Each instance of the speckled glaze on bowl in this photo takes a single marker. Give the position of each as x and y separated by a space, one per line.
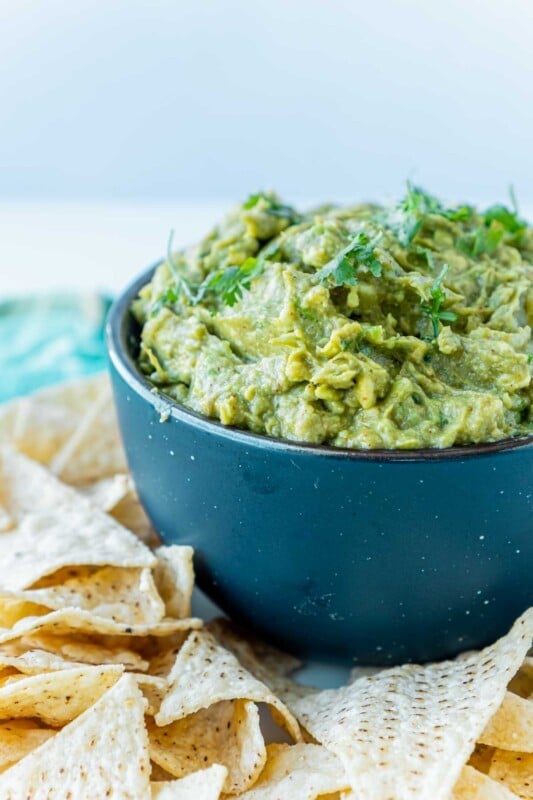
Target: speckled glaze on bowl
379 557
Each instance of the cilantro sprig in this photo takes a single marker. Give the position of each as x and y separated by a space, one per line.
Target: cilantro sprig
273 207
433 309
498 223
228 283
407 218
360 252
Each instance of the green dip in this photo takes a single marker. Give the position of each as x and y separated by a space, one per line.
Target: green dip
361 327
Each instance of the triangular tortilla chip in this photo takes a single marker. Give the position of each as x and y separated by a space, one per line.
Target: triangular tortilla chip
515 771
205 673
511 727
127 595
40 424
203 785
265 662
35 662
174 578
56 697
68 621
17 741
153 688
94 450
226 733
522 682
102 753
83 649
407 732
56 527
473 785
117 496
303 771
107 493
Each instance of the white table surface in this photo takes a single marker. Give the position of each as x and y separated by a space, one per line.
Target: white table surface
51 246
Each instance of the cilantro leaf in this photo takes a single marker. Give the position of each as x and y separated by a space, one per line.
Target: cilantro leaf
484 239
231 282
407 218
438 297
274 207
168 298
342 269
509 220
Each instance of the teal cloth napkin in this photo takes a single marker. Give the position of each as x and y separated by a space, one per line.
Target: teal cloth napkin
49 338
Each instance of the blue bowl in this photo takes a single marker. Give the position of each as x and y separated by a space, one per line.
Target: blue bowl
377 557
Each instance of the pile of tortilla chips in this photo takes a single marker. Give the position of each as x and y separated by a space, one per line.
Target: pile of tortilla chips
110 688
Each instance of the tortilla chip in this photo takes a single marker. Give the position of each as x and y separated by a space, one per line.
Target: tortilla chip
130 513
522 683
481 758
35 662
127 595
107 493
511 727
264 661
94 449
56 697
40 424
68 621
407 731
226 733
102 753
473 785
205 673
303 771
153 689
204 785
56 527
81 648
7 523
18 741
174 578
252 652
515 771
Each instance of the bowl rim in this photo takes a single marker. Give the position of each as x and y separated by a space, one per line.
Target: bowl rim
122 361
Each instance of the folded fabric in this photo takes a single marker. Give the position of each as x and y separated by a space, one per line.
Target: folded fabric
49 338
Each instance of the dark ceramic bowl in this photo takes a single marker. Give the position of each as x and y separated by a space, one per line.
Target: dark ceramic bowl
379 557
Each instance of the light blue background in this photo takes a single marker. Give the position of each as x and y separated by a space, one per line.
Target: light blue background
143 100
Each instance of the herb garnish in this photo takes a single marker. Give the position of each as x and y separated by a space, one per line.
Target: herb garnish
342 269
438 297
498 223
230 282
407 218
274 207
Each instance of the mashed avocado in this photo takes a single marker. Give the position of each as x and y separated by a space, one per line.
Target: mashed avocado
362 327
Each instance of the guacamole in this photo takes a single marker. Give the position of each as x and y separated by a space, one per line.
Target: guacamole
363 327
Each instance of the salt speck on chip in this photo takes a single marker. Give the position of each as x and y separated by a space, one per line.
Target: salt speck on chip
405 733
